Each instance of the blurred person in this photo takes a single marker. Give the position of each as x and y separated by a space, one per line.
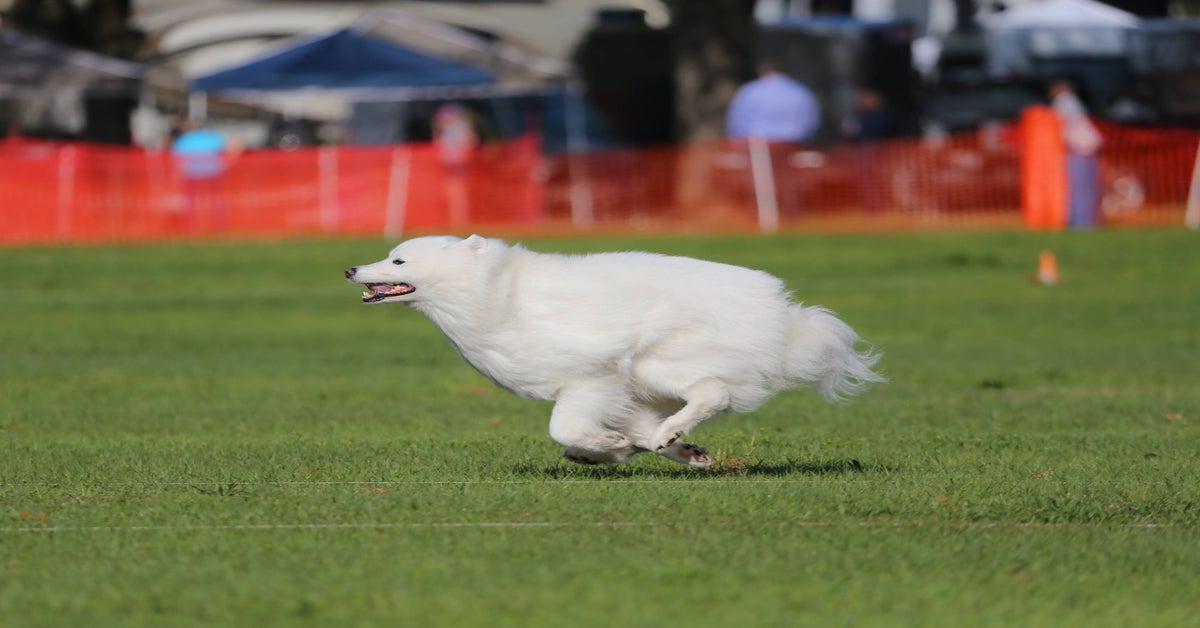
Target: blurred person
1134 103
782 112
870 122
455 137
1081 140
203 155
774 107
291 133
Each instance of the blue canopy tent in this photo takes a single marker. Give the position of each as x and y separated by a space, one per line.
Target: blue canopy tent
368 73
344 59
378 75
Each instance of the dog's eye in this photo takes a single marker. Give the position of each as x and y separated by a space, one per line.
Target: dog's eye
397 261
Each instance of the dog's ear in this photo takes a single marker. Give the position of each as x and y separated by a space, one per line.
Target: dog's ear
477 243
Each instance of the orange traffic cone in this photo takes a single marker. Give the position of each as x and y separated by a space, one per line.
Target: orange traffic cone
1047 272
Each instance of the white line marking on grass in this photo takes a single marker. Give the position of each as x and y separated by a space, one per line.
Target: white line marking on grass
684 481
985 525
327 526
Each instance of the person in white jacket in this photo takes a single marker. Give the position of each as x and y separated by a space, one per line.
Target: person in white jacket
1082 140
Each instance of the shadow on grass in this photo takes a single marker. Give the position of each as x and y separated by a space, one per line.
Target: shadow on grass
729 467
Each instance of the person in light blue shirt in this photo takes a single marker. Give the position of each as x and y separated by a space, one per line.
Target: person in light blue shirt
203 155
782 112
773 107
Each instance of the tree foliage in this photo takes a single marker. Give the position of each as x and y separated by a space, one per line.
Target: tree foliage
99 25
714 52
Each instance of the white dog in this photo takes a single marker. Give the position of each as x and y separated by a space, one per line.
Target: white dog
636 349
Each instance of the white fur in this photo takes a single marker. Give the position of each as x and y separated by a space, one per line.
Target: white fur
636 349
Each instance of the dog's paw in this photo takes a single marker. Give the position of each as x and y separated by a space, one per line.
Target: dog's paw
697 456
687 453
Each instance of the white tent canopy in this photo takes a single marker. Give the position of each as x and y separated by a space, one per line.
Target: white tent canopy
1062 14
1056 29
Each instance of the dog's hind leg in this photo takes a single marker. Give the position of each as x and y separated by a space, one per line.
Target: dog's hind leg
580 422
703 400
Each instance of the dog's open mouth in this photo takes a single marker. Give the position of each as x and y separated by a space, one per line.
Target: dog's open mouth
377 292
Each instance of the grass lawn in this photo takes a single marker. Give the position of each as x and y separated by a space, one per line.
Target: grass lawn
220 434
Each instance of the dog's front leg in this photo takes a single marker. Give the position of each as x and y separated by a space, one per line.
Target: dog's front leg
579 423
702 401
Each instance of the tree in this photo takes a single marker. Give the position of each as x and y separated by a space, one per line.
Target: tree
99 25
714 53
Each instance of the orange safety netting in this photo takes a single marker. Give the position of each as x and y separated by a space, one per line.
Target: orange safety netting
72 192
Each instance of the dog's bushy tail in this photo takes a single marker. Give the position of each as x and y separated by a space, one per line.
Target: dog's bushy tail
824 351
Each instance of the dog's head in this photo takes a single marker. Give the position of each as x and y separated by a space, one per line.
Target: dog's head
420 268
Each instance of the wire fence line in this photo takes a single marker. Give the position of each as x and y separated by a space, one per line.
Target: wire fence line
382 525
680 481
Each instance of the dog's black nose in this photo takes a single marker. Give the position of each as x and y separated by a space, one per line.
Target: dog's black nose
350 272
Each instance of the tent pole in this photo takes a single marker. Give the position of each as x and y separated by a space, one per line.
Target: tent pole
1191 216
67 157
397 194
582 214
327 175
197 106
762 171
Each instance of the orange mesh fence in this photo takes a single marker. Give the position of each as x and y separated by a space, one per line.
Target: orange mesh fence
78 192
1146 174
965 180
66 192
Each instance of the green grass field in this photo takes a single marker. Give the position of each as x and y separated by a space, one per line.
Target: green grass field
220 434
